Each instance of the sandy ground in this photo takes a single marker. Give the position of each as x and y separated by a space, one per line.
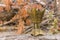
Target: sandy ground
12 36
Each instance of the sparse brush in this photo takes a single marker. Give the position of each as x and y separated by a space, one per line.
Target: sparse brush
54 27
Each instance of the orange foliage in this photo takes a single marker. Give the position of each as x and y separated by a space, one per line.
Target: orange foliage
19 2
1 8
20 27
36 6
22 13
7 3
28 22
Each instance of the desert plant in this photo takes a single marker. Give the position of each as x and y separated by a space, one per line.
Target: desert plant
36 16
